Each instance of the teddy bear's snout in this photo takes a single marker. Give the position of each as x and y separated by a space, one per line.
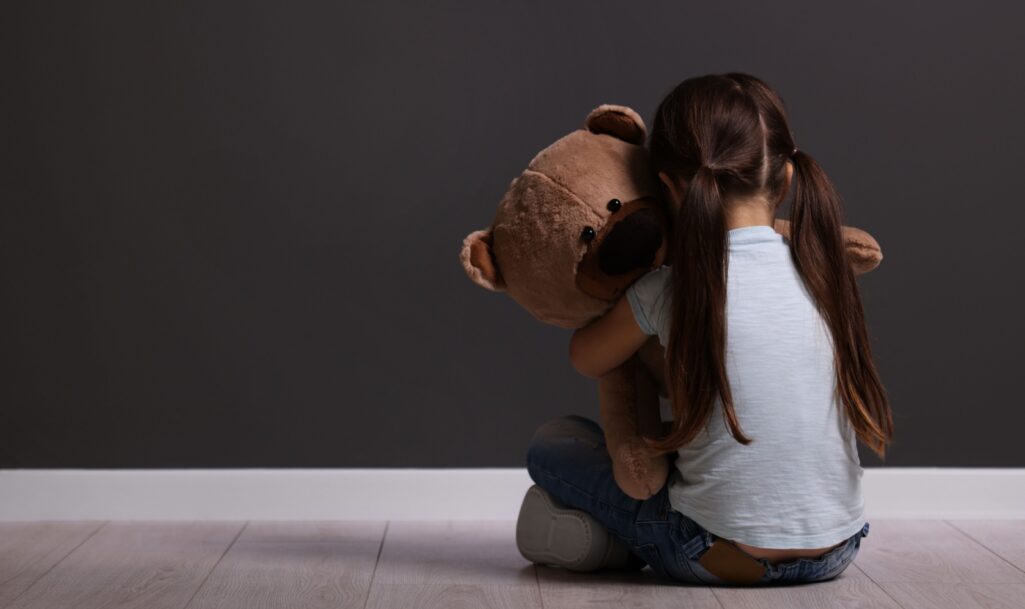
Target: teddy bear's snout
632 243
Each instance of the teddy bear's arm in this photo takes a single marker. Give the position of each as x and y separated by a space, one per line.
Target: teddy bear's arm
629 407
864 250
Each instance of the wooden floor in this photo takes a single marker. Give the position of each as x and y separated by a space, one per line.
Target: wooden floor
931 564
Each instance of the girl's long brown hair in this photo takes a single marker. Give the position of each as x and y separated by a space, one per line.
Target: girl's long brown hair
727 136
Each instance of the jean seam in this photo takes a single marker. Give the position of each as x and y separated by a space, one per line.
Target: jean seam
661 513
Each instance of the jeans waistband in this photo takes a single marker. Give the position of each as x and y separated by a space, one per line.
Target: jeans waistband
699 542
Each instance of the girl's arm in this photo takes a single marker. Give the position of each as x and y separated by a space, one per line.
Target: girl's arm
606 342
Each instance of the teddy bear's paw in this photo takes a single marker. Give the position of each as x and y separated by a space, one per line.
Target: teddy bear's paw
638 473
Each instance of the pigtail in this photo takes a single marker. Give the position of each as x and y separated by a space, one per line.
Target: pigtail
698 336
817 246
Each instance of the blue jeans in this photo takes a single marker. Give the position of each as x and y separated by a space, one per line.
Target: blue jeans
567 457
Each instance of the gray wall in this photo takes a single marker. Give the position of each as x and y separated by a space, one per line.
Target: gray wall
229 234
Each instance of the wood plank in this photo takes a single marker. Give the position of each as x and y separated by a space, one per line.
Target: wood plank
616 589
922 551
934 595
963 564
852 589
447 565
1006 538
149 565
296 565
29 549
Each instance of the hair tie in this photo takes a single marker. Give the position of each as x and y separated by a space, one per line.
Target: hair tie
793 152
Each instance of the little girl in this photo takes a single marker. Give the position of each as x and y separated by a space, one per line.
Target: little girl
769 369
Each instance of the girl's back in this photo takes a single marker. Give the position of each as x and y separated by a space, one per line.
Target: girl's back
797 485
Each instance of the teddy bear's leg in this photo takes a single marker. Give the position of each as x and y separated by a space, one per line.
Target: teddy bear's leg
629 408
646 403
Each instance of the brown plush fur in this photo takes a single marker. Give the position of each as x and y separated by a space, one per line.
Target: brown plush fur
534 251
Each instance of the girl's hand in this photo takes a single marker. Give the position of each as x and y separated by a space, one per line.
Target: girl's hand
606 342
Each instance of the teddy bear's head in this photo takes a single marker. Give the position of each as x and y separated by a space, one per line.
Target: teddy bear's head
579 225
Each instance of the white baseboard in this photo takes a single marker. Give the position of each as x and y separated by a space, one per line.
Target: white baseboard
421 494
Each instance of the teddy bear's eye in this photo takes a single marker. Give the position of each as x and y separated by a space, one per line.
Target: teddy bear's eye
587 234
614 205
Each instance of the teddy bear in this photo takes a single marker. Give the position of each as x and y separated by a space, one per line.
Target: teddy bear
582 222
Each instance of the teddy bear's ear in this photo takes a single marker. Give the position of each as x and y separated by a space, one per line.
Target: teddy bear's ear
617 121
479 261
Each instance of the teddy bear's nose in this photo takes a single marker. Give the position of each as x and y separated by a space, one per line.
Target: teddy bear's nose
632 243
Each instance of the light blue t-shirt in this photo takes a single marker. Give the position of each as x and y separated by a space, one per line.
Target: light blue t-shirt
798 484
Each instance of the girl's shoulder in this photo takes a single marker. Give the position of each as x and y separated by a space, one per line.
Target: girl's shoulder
648 297
650 290
655 280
